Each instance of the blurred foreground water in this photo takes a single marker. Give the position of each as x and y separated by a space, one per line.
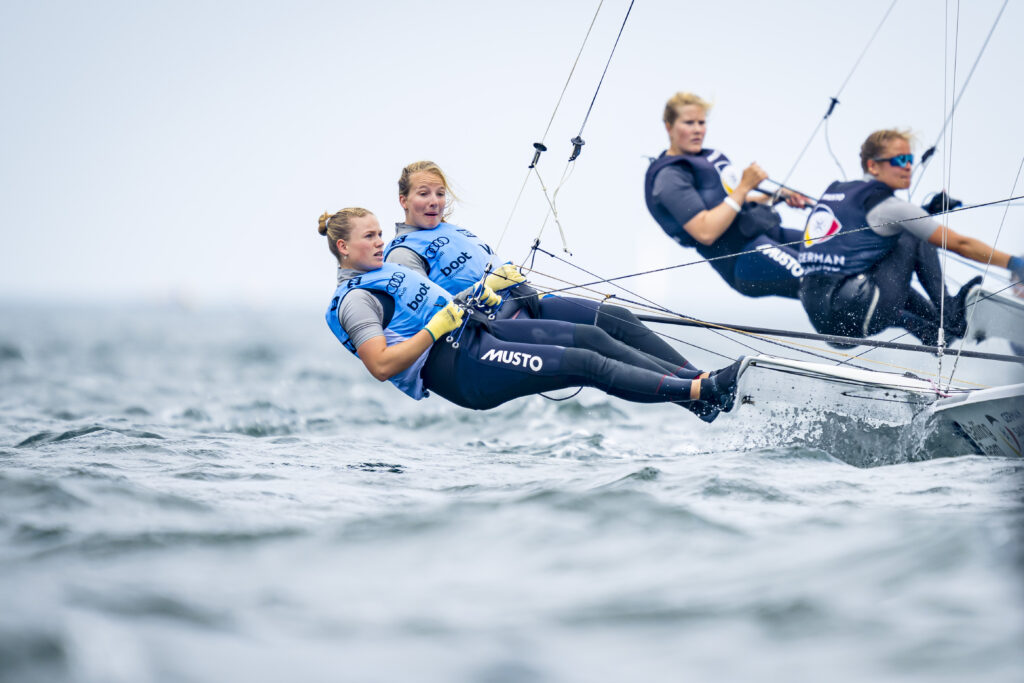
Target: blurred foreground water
219 496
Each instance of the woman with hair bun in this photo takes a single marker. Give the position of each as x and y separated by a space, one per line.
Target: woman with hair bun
857 280
409 330
702 201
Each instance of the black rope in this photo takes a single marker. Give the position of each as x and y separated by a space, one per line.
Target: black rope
539 147
647 302
577 141
834 100
709 326
931 150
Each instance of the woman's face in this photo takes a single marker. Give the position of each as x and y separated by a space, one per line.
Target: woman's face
424 205
364 248
686 134
896 177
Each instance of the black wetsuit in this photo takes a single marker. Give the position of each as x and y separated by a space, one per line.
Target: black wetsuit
505 359
489 362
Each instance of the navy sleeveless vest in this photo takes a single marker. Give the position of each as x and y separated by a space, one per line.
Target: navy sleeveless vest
842 212
714 178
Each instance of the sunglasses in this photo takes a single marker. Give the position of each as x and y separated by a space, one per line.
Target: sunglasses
901 161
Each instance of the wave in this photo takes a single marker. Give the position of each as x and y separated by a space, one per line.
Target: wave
48 437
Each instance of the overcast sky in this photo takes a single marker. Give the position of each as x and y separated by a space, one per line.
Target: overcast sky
182 151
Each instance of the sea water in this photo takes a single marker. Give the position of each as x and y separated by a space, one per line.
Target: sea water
227 495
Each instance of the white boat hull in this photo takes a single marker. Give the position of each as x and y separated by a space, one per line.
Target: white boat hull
881 417
991 420
994 315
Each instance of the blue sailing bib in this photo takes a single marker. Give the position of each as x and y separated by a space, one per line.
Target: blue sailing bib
416 301
455 257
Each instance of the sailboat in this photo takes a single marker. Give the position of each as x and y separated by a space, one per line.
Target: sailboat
945 417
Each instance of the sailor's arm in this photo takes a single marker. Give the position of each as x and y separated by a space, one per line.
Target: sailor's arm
404 256
385 361
708 225
968 247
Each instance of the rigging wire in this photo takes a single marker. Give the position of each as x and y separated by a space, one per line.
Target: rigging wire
752 251
828 146
658 308
649 302
765 335
1006 210
539 147
571 72
834 100
579 135
903 334
947 160
577 143
926 157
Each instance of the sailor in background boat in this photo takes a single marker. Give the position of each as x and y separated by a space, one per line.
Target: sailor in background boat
700 199
455 258
399 324
856 280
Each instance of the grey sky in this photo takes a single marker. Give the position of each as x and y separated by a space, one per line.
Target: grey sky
183 151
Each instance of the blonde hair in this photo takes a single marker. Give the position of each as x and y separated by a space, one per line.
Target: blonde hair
680 100
876 143
405 182
338 226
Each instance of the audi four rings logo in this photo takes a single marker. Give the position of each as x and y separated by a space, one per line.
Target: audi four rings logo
395 282
435 246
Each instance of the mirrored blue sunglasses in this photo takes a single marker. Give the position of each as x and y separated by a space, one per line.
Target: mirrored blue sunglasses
901 161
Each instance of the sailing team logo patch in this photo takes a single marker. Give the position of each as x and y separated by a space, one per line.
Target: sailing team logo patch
822 225
729 174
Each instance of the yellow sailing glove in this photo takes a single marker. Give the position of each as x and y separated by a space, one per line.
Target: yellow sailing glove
485 296
444 321
504 277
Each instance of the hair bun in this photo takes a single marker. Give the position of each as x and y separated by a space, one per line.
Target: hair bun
322 225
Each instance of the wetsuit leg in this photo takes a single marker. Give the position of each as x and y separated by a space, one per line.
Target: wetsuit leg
485 372
928 269
617 321
898 304
561 333
929 274
925 329
772 270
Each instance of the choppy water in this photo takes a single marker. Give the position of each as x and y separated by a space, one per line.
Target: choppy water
216 497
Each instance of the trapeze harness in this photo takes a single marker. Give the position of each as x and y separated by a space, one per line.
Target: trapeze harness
490 362
772 269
